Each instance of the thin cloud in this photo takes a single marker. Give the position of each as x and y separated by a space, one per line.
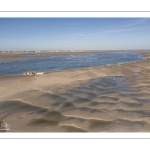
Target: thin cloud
7 40
118 30
74 28
128 27
137 22
131 34
77 23
87 35
30 25
122 30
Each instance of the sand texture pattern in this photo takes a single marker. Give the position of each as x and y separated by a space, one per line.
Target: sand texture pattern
100 99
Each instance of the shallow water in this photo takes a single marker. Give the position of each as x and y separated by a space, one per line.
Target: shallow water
68 62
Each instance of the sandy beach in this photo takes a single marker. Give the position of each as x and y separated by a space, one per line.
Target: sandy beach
100 99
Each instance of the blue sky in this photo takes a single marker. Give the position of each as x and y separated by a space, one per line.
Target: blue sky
74 33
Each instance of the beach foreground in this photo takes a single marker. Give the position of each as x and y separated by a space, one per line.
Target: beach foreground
100 99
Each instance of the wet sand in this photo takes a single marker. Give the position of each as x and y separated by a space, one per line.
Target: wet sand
100 99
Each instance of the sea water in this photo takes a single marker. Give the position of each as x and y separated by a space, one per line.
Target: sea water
68 62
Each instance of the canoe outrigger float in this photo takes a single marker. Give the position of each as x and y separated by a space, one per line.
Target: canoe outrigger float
34 73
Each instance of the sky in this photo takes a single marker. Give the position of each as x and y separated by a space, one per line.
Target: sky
27 34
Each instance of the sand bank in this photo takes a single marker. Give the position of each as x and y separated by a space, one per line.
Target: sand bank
101 99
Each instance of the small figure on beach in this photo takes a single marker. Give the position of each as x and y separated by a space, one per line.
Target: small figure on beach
29 73
33 73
